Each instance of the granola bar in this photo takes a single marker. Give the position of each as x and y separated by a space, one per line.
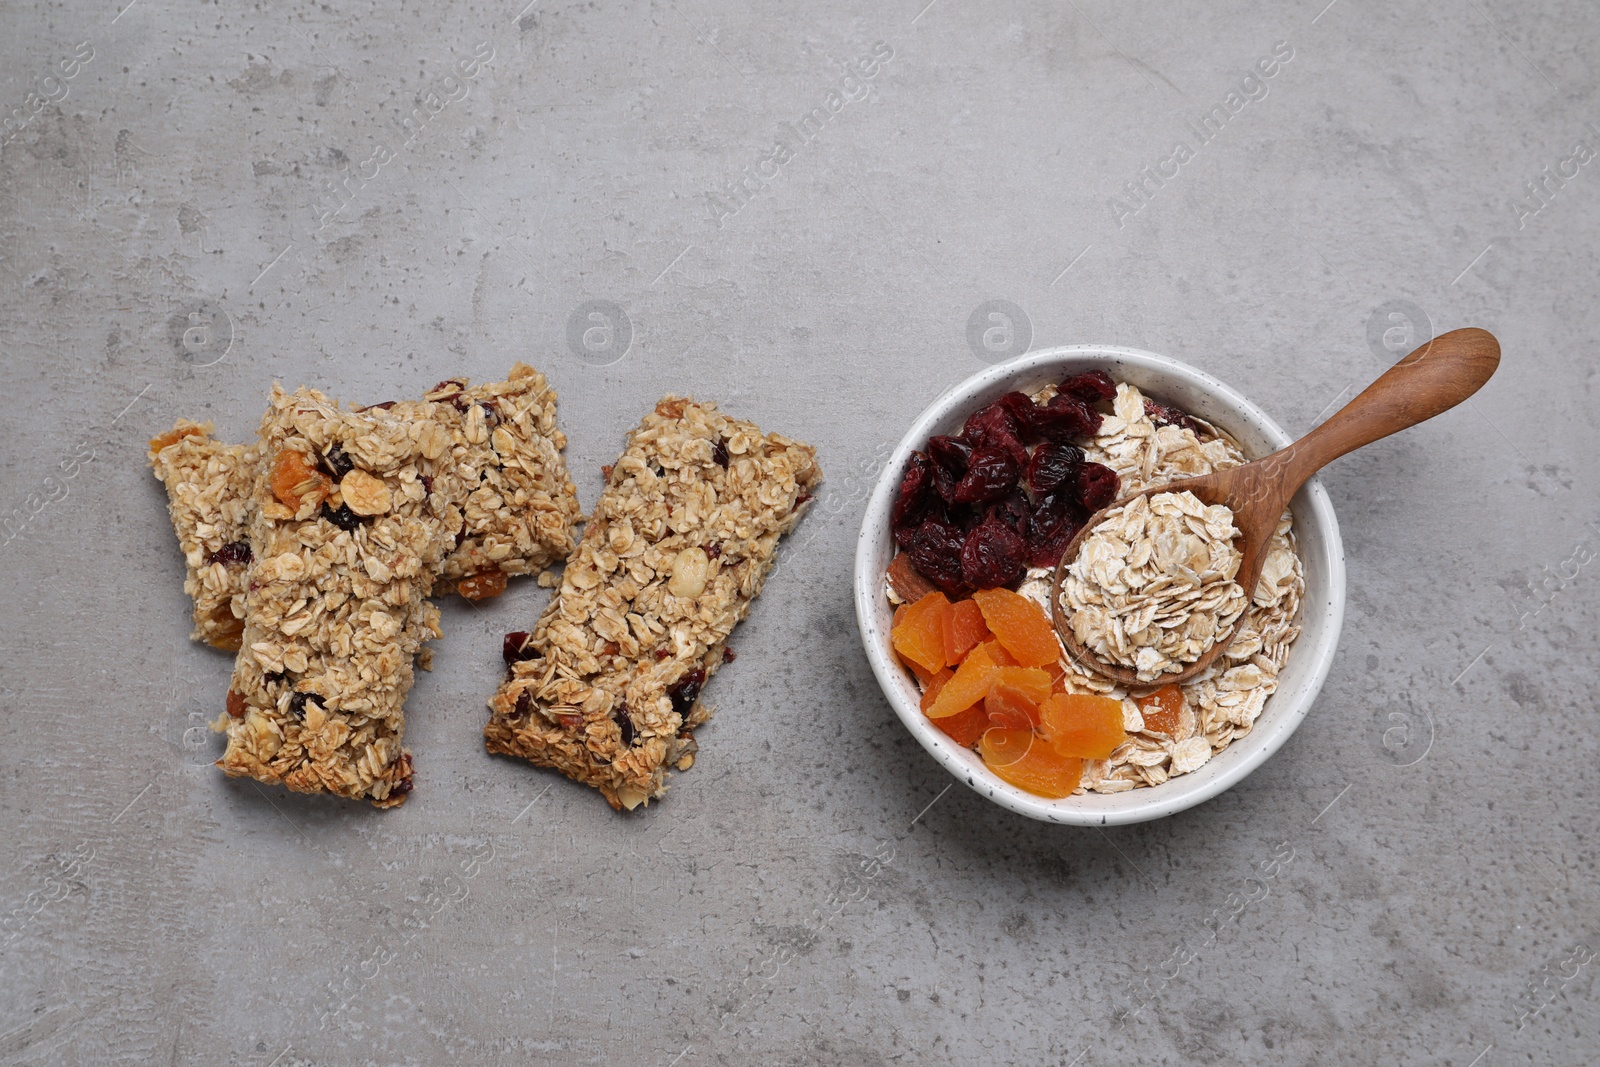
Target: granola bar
208 486
605 689
354 512
520 508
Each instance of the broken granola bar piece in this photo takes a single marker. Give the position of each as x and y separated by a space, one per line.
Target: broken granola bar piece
353 514
605 689
520 509
208 486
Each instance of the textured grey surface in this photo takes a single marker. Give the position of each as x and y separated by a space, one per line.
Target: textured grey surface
795 899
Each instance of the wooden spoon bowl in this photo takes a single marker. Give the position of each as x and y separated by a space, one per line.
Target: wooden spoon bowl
1433 379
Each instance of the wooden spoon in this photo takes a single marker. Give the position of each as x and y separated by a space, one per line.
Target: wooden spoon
1434 378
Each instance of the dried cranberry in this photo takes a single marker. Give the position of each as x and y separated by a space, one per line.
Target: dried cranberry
336 463
991 475
1096 485
461 534
1162 415
297 703
625 724
491 414
1015 511
276 677
992 555
728 654
343 518
523 706
944 484
951 453
385 406
1065 417
916 495
231 553
1090 386
935 550
686 691
1021 407
460 402
1055 521
1051 464
996 426
402 787
662 653
512 648
719 453
427 482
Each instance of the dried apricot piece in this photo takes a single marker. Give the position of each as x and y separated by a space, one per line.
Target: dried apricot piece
967 629
920 635
997 653
1020 625
174 435
1008 707
483 585
932 685
969 685
1161 709
965 728
1032 682
1023 759
924 675
1088 727
293 479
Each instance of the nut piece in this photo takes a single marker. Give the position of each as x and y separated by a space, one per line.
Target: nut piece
364 494
690 570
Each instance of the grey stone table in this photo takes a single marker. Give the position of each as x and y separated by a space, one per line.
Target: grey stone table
797 213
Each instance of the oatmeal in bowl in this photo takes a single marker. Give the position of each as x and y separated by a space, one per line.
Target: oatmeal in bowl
954 578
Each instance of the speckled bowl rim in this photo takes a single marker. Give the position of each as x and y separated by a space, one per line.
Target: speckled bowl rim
1321 613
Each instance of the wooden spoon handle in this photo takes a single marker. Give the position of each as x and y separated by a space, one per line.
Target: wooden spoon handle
1433 379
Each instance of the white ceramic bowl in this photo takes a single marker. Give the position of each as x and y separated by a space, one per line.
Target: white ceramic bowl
1194 391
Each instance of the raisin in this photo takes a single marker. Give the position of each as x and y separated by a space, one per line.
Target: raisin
719 453
231 553
991 475
687 691
427 482
624 724
336 463
1055 521
512 647
1096 485
991 556
935 550
343 518
461 534
1065 417
491 414
1161 415
1090 386
712 551
523 706
297 703
276 677
912 501
1051 464
728 654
